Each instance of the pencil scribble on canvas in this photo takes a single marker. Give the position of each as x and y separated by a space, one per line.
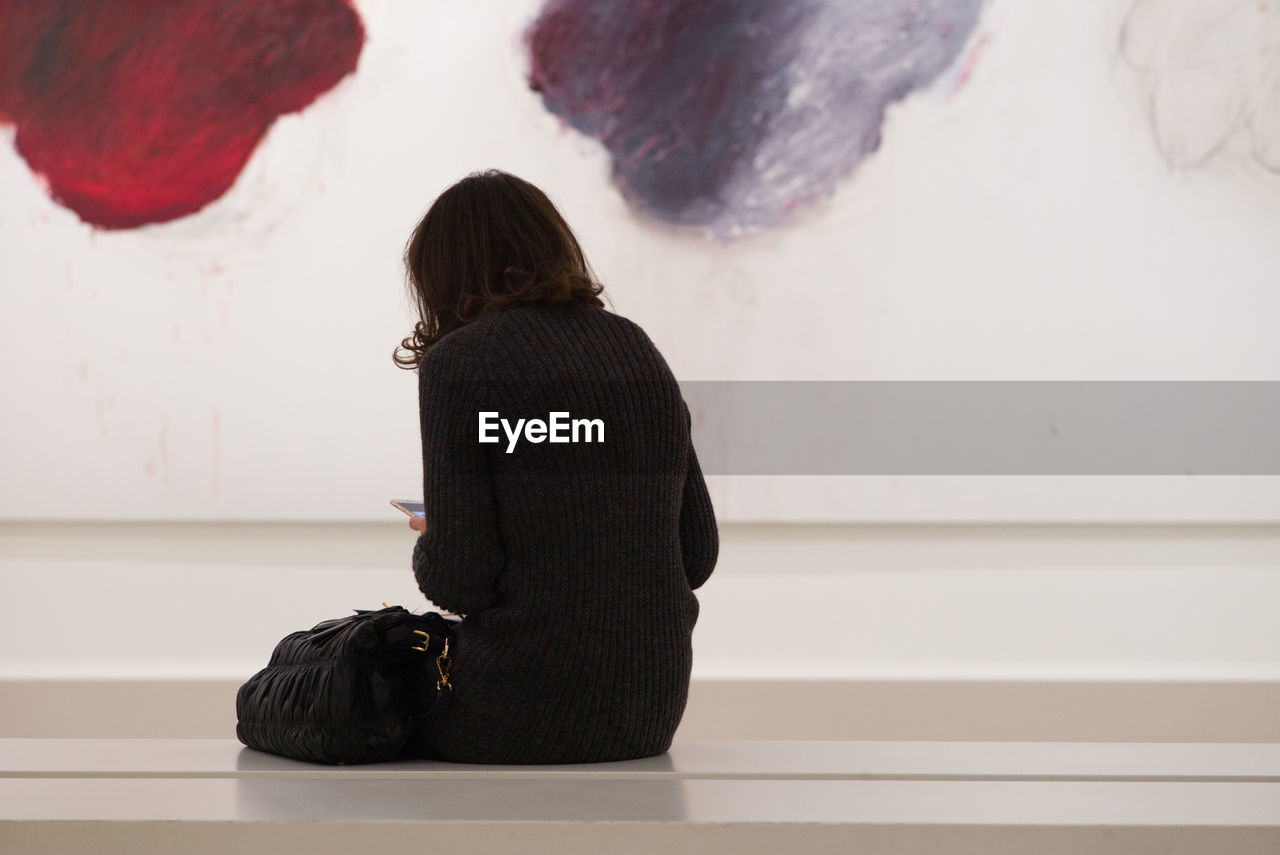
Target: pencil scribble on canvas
727 115
1210 71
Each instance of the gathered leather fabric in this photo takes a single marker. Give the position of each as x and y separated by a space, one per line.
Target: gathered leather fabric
355 689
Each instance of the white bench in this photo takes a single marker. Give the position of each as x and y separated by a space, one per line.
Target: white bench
140 796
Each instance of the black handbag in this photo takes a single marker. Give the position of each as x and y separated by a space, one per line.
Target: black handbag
356 689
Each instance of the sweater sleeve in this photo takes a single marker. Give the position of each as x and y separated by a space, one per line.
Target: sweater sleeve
457 559
699 538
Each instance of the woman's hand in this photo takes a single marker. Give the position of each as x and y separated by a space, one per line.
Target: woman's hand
417 523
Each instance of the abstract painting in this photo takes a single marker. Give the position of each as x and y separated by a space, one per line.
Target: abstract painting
132 113
727 115
204 207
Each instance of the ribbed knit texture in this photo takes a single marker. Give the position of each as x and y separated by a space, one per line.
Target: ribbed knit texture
574 563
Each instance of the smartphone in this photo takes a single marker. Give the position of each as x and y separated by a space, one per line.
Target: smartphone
413 509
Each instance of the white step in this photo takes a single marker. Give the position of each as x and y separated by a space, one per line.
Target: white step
708 758
211 795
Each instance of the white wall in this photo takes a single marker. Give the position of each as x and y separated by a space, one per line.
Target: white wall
840 601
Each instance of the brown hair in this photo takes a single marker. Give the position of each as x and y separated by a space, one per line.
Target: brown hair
490 241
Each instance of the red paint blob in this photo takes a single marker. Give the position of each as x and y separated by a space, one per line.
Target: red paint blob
145 111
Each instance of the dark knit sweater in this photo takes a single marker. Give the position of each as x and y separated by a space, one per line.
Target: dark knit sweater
574 563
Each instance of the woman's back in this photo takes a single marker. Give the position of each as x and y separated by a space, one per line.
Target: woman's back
568 520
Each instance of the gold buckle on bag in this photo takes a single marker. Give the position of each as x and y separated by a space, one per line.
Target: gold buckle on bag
443 663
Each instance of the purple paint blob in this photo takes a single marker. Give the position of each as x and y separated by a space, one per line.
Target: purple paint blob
726 114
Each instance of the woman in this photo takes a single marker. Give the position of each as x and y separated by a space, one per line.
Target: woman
566 516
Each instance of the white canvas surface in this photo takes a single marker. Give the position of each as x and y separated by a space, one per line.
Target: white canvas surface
236 364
